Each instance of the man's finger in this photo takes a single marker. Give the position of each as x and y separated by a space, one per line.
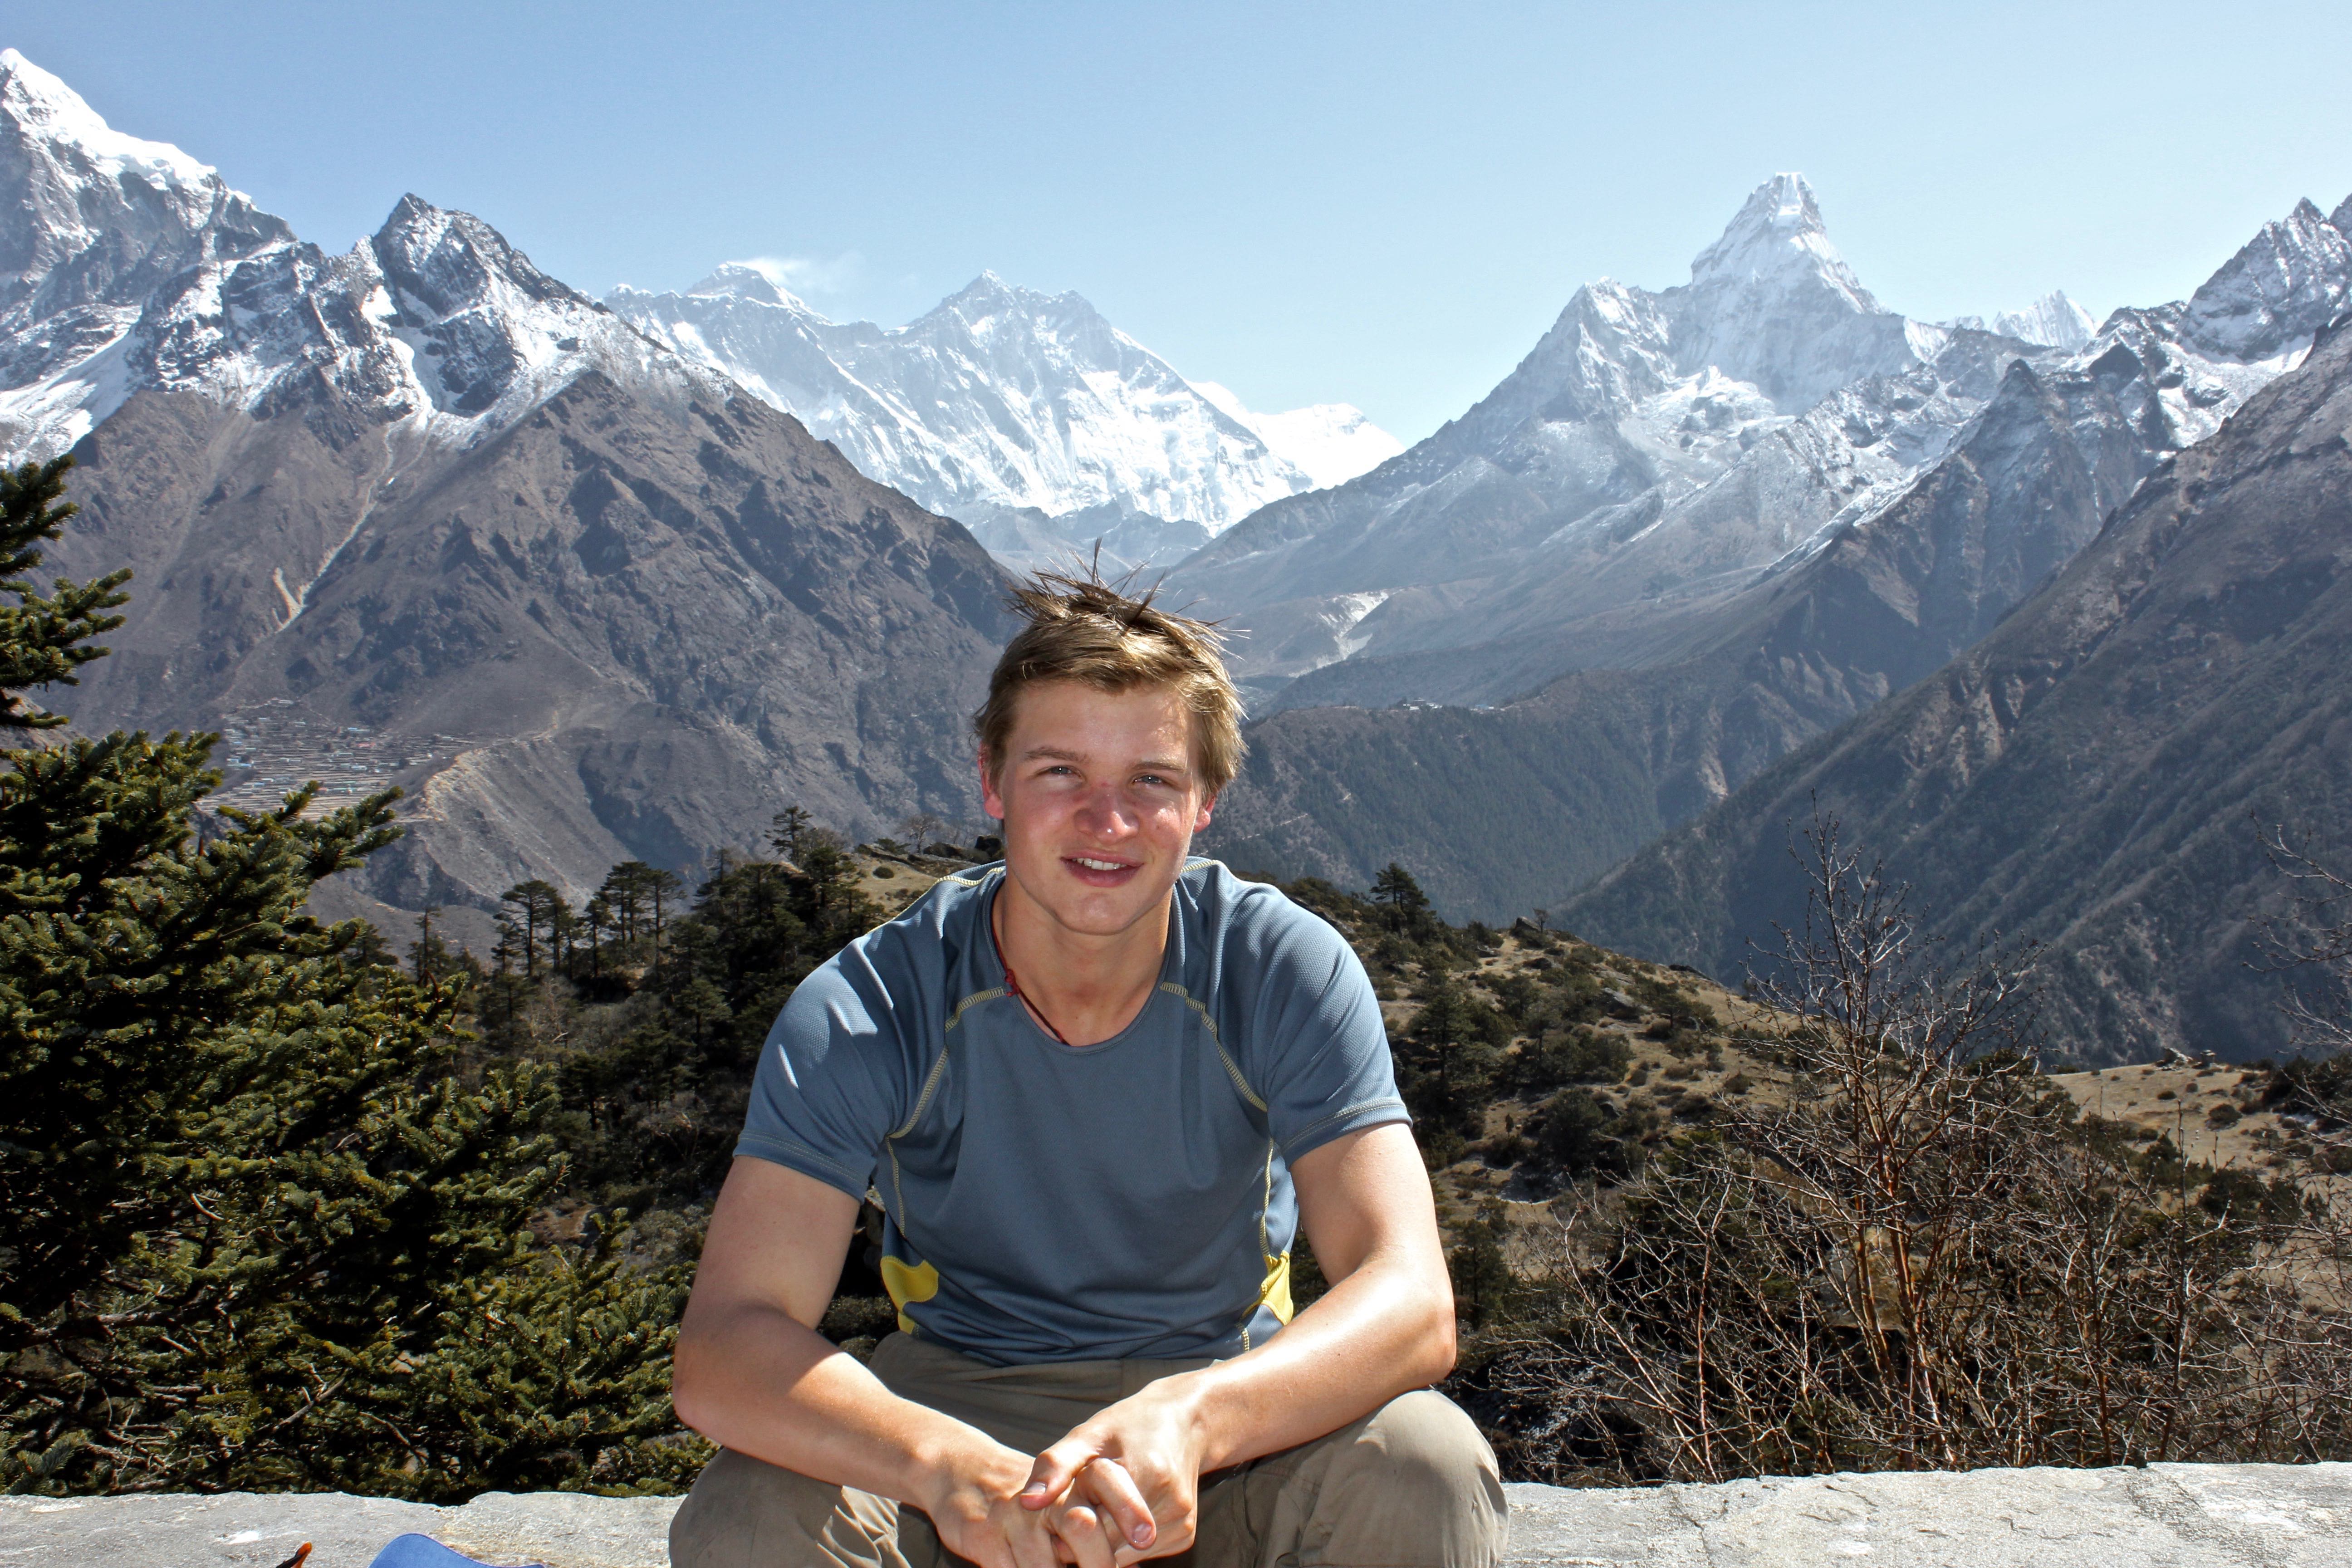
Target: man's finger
1080 1529
1108 1482
1032 1544
1055 1468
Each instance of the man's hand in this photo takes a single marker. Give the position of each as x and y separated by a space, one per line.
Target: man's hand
976 1503
1127 1484
753 1372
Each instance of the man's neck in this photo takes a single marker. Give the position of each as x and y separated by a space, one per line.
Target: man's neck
1082 985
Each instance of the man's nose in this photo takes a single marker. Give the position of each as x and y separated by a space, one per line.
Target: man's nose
1106 811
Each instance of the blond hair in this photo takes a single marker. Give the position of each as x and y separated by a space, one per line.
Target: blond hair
1090 631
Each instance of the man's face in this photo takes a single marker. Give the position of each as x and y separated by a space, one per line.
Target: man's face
1100 799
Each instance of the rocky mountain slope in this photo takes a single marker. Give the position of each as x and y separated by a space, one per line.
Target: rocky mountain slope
2093 775
1502 809
599 603
1026 415
1652 447
1658 453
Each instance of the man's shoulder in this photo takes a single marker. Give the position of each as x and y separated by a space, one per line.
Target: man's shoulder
919 953
1247 933
1215 898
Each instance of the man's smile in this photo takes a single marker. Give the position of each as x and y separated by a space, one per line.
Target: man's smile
1098 870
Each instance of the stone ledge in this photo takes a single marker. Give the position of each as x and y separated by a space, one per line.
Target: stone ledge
2175 1516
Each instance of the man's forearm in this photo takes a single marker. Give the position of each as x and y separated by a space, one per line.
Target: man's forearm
756 1380
1382 1331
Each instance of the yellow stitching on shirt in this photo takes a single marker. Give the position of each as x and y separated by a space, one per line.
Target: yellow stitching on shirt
1240 1084
938 1067
991 994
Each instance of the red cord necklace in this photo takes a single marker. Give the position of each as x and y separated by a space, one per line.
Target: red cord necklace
1012 982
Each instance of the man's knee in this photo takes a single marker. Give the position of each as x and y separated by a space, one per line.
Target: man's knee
1416 1484
1427 1444
744 1512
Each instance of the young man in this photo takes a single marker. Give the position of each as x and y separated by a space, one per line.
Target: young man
1096 1092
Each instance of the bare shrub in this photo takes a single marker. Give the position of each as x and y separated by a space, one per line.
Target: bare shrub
1923 1258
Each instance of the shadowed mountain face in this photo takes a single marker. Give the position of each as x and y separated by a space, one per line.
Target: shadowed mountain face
2092 776
422 514
1713 684
622 634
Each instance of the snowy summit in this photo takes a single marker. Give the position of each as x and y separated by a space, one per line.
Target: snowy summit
1004 399
130 266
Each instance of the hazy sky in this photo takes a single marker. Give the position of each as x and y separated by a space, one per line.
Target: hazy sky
1378 204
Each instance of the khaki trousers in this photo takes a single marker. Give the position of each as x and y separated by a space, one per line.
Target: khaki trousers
1413 1485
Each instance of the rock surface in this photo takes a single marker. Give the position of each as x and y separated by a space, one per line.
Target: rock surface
2179 1516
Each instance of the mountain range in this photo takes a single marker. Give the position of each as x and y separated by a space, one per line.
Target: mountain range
1025 415
2095 777
2041 607
419 514
1612 677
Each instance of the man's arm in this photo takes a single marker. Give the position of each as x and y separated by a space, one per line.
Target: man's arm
1385 1328
752 1374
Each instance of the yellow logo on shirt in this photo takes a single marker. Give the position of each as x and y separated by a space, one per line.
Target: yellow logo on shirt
921 1282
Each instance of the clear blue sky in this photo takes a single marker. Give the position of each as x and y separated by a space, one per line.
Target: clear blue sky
1379 204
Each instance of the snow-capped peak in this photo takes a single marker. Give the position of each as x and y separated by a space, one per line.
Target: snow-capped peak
2054 321
132 267
988 298
74 189
2287 282
1331 442
748 280
1772 303
46 108
1002 397
1778 237
93 223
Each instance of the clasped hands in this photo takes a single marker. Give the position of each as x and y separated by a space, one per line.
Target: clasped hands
1119 1488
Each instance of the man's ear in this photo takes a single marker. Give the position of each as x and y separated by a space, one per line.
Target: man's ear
1201 820
990 801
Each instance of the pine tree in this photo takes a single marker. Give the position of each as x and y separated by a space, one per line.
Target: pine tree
530 909
254 1230
1395 889
1452 1058
789 830
659 1083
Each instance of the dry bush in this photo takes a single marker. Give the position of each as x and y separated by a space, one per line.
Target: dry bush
1923 1258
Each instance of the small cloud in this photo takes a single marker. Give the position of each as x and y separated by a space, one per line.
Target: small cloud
809 276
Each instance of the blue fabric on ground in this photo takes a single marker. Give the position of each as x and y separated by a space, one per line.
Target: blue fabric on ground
424 1552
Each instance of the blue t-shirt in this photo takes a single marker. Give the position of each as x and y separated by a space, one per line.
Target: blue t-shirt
1053 1203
